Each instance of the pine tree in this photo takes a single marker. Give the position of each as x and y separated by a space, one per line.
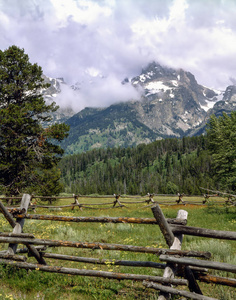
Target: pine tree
26 147
221 138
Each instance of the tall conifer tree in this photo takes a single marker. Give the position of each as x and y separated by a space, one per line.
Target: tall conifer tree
221 137
27 149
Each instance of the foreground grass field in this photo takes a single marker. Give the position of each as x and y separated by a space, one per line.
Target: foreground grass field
22 284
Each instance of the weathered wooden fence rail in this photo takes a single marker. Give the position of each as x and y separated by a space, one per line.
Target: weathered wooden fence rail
102 246
94 273
174 261
100 219
119 202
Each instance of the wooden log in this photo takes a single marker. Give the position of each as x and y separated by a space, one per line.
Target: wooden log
218 192
36 254
13 223
136 202
216 279
150 198
70 205
177 221
121 201
158 252
146 264
170 270
117 201
89 207
187 253
53 206
94 273
12 247
107 203
199 269
26 250
192 283
129 220
10 197
199 263
165 228
71 197
204 232
24 235
18 228
76 202
102 246
168 289
12 257
178 238
180 198
7 215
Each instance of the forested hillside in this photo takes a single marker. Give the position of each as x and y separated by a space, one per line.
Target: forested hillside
165 166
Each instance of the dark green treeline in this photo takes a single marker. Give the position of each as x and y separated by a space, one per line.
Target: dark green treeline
164 167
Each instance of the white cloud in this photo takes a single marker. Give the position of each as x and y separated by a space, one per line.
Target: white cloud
83 12
177 12
97 91
117 38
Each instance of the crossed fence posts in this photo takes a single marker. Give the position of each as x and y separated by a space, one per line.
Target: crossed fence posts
177 261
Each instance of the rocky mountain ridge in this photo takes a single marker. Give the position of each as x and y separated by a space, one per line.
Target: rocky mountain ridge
173 104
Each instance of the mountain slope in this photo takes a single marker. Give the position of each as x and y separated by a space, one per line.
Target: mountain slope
176 103
226 105
116 125
173 104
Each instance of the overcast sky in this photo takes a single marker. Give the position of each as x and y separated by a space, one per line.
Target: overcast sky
104 41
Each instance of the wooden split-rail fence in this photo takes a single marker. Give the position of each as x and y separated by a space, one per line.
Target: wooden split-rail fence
181 267
118 201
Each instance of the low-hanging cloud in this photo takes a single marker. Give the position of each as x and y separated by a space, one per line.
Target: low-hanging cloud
97 92
117 38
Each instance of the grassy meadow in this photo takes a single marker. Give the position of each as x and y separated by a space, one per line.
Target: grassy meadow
23 284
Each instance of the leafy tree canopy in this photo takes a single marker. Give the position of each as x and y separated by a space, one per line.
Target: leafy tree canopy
221 136
27 149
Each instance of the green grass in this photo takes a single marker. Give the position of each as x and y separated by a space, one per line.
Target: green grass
22 284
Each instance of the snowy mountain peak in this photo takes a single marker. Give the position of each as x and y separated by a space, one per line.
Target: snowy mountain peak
165 84
173 104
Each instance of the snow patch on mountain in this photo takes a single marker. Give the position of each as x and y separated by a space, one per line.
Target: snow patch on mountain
154 87
210 103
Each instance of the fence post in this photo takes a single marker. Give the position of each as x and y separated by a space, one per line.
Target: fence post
117 201
18 226
76 202
150 198
7 215
174 242
180 198
164 226
170 269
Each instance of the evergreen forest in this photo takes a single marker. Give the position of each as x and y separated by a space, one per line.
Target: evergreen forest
163 167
